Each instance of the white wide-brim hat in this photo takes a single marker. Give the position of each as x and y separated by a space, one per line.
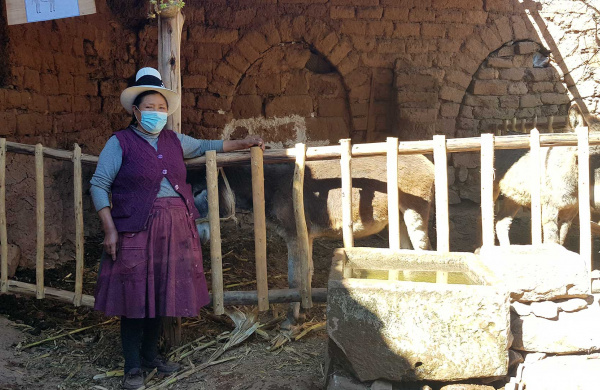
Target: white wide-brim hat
149 79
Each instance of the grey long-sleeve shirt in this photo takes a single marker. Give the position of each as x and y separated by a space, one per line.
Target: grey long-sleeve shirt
111 158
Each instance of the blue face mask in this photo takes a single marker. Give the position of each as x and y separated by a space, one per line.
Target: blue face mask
153 121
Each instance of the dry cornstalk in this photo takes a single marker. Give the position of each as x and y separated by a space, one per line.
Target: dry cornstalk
66 334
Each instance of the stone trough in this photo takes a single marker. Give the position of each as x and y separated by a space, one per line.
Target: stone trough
413 328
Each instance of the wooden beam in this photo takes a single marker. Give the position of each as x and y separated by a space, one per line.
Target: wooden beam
260 227
79 239
487 190
393 199
40 208
216 260
3 232
346 170
301 228
441 200
536 189
169 62
585 232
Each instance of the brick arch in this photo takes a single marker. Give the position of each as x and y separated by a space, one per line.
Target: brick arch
255 43
476 48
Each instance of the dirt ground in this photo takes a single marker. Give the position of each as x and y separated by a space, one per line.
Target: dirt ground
71 362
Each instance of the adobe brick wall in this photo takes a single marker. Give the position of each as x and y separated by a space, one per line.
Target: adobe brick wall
308 70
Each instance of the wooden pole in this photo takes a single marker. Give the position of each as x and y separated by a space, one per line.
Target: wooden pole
505 129
585 232
301 229
536 190
79 239
523 129
260 228
550 124
514 125
216 261
169 63
441 200
346 169
3 234
40 208
487 189
393 201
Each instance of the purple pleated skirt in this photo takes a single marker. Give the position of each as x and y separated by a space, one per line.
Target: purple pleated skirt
158 271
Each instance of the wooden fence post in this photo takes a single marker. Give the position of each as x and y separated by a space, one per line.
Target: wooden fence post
487 190
536 190
40 208
260 227
169 62
216 261
301 229
346 169
441 200
3 235
79 239
585 218
393 202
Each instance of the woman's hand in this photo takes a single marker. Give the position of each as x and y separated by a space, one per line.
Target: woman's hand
111 236
248 142
110 243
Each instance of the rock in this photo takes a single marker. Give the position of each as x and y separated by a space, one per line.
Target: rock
574 304
463 174
381 385
539 273
595 286
562 372
521 308
467 387
570 333
386 329
342 382
451 175
514 358
534 357
545 309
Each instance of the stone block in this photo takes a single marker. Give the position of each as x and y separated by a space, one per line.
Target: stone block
195 81
545 309
9 122
419 15
461 386
509 101
353 27
476 17
432 30
326 44
228 73
518 88
61 103
498 62
546 272
339 52
458 4
512 74
31 80
369 13
380 28
392 346
257 40
460 78
246 106
209 51
530 101
214 103
406 30
573 304
540 74
449 16
268 85
459 31
562 372
452 94
555 98
342 12
289 105
396 14
506 51
487 74
490 87
332 107
526 47
543 86
213 35
360 3
449 110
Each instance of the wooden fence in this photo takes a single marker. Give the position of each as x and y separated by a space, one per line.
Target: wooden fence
345 152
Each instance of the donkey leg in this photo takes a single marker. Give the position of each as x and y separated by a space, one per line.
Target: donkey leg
416 224
565 219
506 214
550 225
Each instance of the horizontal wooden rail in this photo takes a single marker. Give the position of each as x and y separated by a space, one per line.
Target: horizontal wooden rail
273 156
229 297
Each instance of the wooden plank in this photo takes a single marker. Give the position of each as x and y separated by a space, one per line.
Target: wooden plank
260 228
79 239
230 297
3 232
441 200
40 207
169 60
487 189
346 169
585 232
301 229
536 190
216 260
393 199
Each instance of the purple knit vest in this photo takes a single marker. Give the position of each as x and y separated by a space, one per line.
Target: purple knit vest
138 181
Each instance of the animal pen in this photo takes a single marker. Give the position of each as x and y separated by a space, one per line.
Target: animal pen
262 296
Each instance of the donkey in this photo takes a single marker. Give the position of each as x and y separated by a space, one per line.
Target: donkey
559 195
323 205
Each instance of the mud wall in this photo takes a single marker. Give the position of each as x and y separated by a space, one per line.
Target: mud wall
312 71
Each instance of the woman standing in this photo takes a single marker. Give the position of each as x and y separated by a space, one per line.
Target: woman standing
150 235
